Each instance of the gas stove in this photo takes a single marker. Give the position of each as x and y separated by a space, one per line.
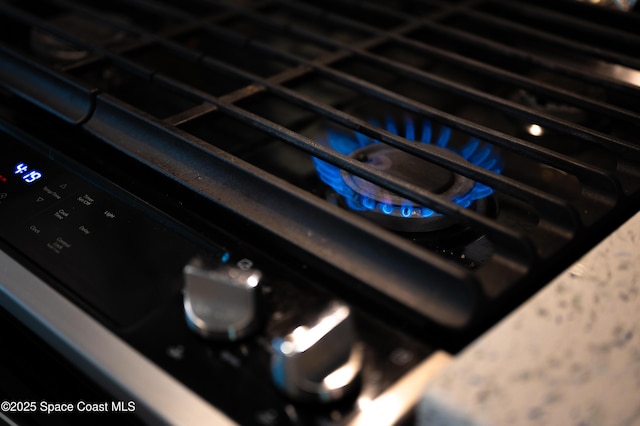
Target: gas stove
283 212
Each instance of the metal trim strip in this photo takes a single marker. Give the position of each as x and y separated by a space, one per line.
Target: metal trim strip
160 399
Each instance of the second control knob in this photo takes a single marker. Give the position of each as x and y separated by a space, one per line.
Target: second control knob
320 362
221 303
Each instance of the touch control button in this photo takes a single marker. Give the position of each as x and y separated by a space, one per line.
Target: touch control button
221 303
321 362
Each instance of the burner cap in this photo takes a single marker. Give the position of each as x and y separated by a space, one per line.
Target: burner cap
393 211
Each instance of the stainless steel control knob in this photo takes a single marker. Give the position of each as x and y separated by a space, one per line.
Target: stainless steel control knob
221 303
320 362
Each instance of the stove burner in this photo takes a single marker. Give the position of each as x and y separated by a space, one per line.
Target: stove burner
389 209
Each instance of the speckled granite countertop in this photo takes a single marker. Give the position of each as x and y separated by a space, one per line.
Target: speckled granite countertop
569 356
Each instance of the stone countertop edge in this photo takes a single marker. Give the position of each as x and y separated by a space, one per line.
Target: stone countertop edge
569 356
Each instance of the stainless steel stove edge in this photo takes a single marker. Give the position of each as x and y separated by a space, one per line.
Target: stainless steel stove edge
127 375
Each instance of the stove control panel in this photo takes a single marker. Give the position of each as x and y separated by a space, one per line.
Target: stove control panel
229 320
100 245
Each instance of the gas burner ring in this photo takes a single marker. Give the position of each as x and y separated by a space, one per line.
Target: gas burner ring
379 201
391 210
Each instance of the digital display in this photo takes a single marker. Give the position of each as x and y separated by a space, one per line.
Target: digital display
28 175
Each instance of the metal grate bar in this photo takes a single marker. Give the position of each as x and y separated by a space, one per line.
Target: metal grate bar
525 148
399 36
512 246
522 147
163 8
506 106
495 72
504 236
590 11
236 72
254 194
551 208
525 57
601 107
154 136
503 105
496 231
528 11
552 39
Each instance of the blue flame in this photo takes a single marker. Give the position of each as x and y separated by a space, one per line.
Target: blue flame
474 151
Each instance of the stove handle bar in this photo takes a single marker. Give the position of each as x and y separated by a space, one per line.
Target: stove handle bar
38 84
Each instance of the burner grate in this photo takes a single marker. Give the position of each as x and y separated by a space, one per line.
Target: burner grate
232 100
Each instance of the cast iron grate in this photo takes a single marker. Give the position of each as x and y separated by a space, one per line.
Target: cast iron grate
234 100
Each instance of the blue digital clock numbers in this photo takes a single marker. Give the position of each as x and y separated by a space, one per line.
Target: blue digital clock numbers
28 175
